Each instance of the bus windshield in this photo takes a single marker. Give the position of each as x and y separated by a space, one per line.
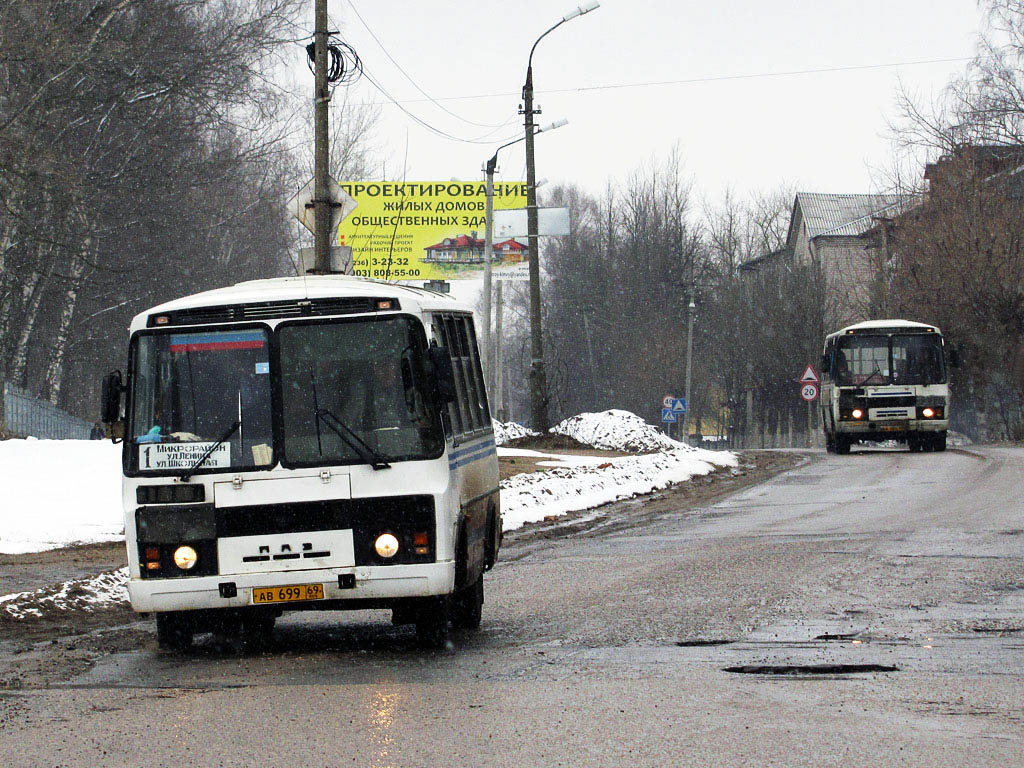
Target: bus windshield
917 359
884 359
192 388
355 386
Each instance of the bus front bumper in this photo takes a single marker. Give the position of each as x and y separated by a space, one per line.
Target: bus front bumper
891 430
373 585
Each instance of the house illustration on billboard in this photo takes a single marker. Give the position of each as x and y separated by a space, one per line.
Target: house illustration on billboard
469 249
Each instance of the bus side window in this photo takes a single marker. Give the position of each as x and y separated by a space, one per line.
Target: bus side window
479 390
441 335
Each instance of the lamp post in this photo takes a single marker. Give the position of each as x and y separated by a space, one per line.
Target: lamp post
538 378
489 169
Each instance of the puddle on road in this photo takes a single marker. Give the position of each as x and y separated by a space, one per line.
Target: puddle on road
794 670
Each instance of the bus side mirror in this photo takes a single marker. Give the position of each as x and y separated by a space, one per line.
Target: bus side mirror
954 358
111 390
444 375
826 364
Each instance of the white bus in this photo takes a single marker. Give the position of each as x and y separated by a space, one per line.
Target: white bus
885 380
320 442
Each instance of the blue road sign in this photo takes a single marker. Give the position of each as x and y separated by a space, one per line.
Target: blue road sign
679 404
668 416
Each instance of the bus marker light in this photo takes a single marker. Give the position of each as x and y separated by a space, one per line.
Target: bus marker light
385 304
185 557
152 566
152 553
420 539
386 545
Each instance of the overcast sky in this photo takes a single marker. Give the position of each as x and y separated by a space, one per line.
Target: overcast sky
822 132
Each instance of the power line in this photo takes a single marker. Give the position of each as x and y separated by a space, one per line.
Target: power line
437 131
408 77
696 80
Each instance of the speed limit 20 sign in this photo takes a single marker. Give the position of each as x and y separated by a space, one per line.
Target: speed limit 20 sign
809 392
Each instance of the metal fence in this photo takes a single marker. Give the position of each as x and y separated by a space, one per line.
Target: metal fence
26 415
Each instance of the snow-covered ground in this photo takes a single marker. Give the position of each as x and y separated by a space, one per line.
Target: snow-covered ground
59 492
616 430
507 431
580 482
89 594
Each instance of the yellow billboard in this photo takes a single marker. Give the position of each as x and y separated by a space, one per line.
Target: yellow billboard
427 230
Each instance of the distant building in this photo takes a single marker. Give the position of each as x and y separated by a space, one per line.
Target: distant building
839 233
469 249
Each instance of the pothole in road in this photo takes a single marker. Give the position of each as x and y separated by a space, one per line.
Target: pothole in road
702 642
837 636
809 669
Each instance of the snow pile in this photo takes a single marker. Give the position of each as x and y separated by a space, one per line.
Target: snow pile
91 594
59 492
617 430
507 431
578 483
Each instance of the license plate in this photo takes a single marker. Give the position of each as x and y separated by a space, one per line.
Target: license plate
289 594
891 427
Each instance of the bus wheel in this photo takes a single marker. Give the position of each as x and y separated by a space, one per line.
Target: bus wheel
842 444
174 631
469 605
939 441
432 624
830 443
914 444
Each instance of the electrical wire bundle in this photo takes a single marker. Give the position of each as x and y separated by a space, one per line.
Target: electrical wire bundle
343 63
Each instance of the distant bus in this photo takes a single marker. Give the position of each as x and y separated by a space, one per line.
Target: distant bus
885 380
306 444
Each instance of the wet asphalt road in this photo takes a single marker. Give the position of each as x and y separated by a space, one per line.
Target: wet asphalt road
905 561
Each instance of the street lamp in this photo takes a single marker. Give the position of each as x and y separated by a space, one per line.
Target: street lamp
489 168
538 379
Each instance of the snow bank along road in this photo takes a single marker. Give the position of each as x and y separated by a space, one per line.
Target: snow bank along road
596 651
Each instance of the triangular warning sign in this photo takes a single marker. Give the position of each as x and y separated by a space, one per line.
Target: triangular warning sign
809 377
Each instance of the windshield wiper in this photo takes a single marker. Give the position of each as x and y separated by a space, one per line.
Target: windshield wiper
877 372
354 441
187 475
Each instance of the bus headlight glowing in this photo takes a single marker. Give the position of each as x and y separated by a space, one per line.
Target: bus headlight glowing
928 413
185 557
386 545
857 413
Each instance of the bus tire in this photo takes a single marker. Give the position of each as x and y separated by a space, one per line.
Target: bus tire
468 607
842 445
491 541
914 443
830 443
939 441
174 631
432 624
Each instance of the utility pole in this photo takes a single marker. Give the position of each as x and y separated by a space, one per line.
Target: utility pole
538 377
488 361
497 365
321 188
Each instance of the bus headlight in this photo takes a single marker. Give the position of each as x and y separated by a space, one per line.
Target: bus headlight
185 557
857 413
928 412
931 412
386 545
